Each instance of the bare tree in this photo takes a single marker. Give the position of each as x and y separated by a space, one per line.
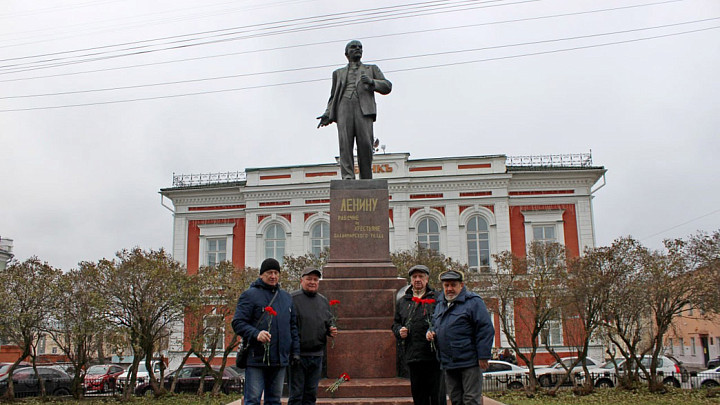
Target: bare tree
531 286
434 260
222 284
78 319
26 291
589 285
147 291
674 281
625 313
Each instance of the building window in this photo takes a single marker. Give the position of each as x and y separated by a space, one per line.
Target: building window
478 244
670 344
54 350
275 242
429 234
510 315
41 344
214 332
215 251
544 233
551 334
692 346
690 311
319 238
681 343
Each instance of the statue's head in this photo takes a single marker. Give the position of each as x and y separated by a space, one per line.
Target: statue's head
353 50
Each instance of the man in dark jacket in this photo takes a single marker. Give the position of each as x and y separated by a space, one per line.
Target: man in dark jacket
314 325
264 317
464 336
412 313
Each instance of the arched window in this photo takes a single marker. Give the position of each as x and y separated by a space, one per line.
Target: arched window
275 242
428 233
478 243
319 237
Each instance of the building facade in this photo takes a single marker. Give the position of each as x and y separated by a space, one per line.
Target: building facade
467 208
6 253
694 339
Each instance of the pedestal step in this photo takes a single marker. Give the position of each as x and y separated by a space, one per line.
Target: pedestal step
364 401
366 388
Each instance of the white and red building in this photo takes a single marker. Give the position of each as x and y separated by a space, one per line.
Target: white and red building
467 207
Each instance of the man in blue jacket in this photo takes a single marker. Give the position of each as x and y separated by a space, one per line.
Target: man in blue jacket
272 334
464 335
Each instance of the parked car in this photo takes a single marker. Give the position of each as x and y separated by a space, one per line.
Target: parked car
188 380
65 367
709 378
102 377
714 363
549 376
606 376
26 383
141 377
5 367
501 376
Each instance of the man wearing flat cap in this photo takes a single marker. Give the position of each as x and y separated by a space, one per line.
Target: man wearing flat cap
412 312
314 325
272 335
464 337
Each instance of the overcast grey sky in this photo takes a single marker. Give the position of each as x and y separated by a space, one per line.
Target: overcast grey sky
635 81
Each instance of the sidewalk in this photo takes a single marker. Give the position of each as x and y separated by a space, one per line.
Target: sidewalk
486 401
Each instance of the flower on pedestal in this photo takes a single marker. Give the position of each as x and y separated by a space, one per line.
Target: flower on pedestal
335 385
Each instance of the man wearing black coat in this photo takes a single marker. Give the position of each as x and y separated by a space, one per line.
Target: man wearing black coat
412 313
314 326
265 318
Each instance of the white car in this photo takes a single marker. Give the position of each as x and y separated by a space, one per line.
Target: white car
709 378
549 376
142 375
502 376
605 376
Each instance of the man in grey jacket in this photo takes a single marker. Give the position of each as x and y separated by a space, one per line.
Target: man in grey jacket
352 107
314 326
464 337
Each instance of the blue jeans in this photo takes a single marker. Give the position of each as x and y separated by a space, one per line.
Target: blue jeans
304 378
267 379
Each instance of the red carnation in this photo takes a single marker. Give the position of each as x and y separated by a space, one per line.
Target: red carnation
334 302
428 301
335 385
270 311
417 300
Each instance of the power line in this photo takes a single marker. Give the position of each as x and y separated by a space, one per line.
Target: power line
335 41
406 57
389 71
682 224
264 26
147 23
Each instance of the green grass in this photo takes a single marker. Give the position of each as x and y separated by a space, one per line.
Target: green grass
610 396
600 397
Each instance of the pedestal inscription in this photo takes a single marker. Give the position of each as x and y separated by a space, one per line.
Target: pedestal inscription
359 221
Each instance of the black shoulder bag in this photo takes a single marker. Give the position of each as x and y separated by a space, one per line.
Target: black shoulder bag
244 349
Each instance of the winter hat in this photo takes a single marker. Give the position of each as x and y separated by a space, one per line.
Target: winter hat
269 264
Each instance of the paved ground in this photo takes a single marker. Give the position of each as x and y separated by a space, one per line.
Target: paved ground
486 401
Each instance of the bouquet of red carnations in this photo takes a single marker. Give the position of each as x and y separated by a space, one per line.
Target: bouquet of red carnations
335 385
